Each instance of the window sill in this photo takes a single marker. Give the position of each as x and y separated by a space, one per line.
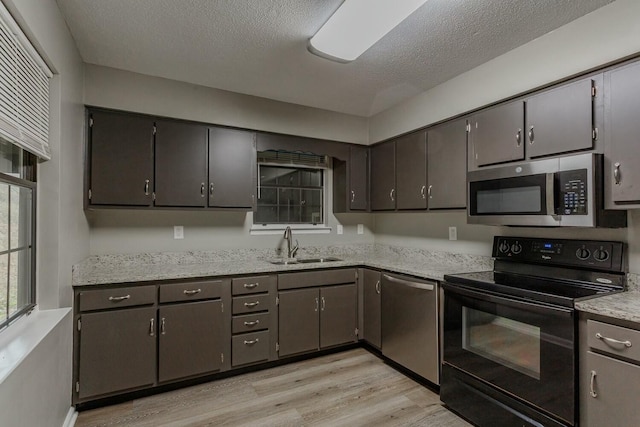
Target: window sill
273 229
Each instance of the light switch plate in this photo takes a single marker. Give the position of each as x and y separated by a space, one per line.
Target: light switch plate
453 233
360 228
178 232
339 229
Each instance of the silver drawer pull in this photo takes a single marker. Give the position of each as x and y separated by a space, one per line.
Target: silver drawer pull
252 342
122 298
254 323
378 287
626 343
192 291
251 304
162 330
592 386
251 285
152 327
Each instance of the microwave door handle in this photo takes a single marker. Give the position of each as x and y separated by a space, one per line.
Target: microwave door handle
551 194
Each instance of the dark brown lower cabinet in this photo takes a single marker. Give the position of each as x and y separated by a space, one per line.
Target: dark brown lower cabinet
117 351
315 318
189 340
372 326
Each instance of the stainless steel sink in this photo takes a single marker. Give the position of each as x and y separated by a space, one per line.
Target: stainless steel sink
283 261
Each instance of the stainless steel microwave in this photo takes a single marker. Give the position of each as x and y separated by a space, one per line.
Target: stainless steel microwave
560 192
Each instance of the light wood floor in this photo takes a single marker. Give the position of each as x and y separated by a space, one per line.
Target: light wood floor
352 388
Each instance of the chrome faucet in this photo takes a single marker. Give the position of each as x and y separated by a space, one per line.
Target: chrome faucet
291 252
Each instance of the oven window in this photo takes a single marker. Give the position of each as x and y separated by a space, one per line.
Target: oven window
509 200
508 342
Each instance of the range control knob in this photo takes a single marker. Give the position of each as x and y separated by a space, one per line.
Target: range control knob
516 248
503 246
583 253
601 255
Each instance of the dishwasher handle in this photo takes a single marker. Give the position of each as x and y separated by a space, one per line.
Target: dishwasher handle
423 286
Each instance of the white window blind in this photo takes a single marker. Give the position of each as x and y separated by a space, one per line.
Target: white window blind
24 90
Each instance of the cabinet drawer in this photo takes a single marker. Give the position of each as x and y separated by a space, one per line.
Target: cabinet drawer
307 279
251 285
250 304
191 291
613 339
250 348
116 298
250 323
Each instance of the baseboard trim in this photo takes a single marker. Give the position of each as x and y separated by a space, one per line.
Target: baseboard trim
71 418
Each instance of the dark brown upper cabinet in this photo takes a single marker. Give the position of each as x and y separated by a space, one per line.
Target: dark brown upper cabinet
411 171
561 119
383 176
232 168
351 181
120 159
497 135
622 151
447 165
180 164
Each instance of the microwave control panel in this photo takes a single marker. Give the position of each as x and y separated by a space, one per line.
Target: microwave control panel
572 192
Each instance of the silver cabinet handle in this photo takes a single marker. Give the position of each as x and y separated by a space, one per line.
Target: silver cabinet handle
202 189
391 194
211 189
324 304
252 323
626 343
353 196
422 192
316 305
417 285
162 331
531 135
192 291
152 327
592 385
252 342
519 137
251 285
251 304
122 298
146 187
429 192
378 287
616 173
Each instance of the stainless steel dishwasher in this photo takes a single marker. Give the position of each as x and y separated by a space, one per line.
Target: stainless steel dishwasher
410 324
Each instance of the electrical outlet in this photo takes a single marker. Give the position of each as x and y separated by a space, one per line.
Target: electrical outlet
360 228
340 229
178 232
453 233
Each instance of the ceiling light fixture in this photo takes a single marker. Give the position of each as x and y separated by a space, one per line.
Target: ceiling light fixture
357 25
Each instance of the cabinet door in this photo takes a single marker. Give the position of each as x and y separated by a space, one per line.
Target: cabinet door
358 177
181 164
383 176
298 321
190 339
117 351
622 153
447 165
411 171
497 134
232 168
121 156
560 120
372 325
338 315
616 384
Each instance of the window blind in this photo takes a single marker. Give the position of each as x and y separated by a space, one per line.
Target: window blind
24 90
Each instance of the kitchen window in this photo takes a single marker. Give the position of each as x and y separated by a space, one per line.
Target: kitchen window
17 232
291 189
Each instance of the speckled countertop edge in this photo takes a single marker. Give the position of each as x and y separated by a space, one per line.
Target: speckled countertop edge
623 305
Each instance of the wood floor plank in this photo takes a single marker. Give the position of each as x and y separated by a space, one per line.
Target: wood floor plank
351 388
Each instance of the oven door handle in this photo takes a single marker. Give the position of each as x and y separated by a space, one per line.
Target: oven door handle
516 303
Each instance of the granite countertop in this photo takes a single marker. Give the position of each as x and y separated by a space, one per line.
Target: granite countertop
623 305
112 269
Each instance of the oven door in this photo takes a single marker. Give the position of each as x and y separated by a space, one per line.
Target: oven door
522 348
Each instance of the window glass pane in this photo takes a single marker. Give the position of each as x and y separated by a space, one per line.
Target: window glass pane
266 215
311 198
268 196
312 215
20 215
19 279
4 216
3 286
289 197
289 177
11 158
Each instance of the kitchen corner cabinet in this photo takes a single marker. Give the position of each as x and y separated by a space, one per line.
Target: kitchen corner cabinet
351 181
447 165
383 176
622 151
496 135
120 159
609 373
180 164
411 171
372 307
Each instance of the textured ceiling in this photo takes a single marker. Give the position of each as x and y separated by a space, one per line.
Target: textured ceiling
258 47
